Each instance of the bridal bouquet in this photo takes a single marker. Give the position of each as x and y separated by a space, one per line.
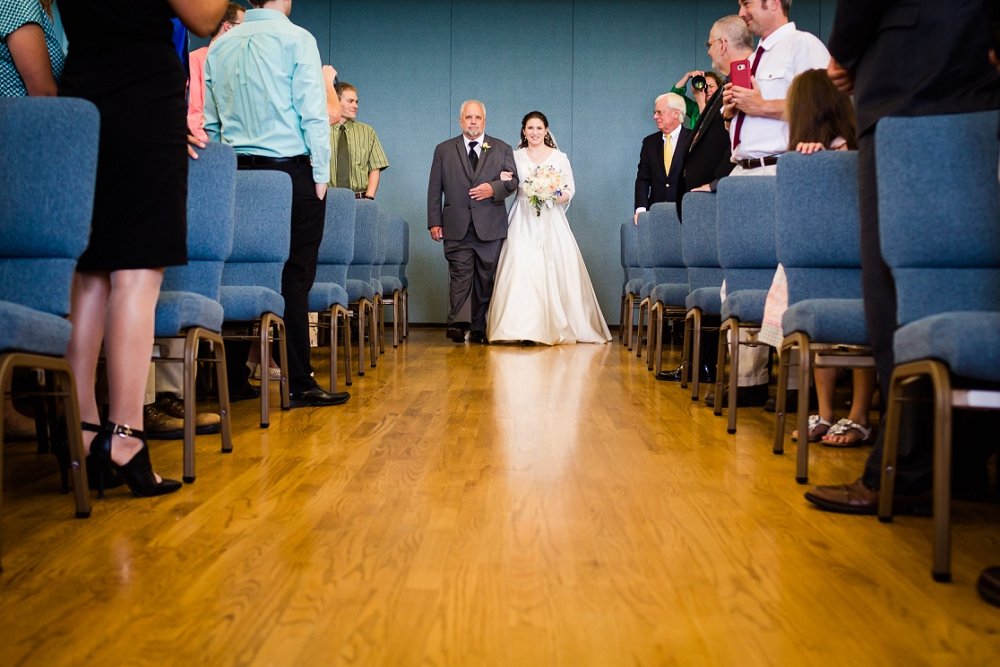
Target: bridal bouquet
543 187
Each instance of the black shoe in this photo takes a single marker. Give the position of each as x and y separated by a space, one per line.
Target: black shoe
137 473
242 391
746 397
457 331
317 398
989 585
670 376
60 449
479 337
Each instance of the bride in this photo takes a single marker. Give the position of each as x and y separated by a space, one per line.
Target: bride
543 293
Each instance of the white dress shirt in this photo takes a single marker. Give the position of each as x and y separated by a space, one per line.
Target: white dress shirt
673 142
787 53
479 144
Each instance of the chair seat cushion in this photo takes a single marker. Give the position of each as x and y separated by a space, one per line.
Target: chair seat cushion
670 294
324 295
178 311
706 299
634 286
404 281
646 290
28 330
390 285
828 321
968 342
359 289
745 305
243 304
377 285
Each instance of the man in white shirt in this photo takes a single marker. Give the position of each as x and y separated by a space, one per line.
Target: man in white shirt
661 161
757 129
759 133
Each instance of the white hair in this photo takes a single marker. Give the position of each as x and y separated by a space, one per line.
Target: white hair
461 112
675 102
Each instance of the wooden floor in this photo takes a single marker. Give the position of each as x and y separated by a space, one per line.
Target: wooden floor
478 505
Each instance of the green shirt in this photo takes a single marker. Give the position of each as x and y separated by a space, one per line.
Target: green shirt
692 107
365 151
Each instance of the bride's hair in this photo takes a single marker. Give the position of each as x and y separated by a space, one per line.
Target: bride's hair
549 141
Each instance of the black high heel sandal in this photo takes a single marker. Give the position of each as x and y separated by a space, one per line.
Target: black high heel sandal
60 449
137 473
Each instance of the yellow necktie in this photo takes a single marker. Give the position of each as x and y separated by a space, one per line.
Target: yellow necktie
668 154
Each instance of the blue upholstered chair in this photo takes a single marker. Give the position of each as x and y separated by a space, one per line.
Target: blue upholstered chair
251 278
666 299
360 292
817 242
382 247
633 279
328 295
48 165
646 276
189 306
944 252
392 274
747 256
701 256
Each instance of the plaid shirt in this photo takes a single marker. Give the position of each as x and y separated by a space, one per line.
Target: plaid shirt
13 15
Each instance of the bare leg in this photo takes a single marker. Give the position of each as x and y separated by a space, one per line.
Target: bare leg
88 309
129 342
826 387
861 404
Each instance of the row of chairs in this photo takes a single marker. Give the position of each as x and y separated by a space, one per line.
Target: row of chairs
238 242
943 250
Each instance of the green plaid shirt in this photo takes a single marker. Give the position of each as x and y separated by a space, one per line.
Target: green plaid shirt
365 151
13 15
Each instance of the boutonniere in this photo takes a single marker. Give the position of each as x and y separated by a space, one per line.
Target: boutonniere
486 147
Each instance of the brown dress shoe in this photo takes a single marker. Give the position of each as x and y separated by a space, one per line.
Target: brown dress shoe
989 585
204 422
857 498
158 425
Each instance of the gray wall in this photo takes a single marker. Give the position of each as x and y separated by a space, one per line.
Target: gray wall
593 67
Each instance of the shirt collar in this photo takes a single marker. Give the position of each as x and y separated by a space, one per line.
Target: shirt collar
674 134
264 15
480 139
777 35
344 124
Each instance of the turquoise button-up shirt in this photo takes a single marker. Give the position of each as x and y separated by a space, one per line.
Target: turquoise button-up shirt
264 91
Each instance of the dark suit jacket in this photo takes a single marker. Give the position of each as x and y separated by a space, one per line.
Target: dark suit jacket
915 57
452 176
652 184
709 154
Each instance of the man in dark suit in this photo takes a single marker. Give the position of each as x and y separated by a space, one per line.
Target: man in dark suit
908 58
708 156
472 219
661 161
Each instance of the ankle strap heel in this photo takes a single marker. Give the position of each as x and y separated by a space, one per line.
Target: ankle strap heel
138 472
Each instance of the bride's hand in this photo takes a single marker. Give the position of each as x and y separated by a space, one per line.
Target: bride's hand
506 176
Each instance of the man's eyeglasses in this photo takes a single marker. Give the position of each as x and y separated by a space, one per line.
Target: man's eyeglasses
709 43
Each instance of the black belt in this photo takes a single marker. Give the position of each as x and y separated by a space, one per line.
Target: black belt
758 162
263 160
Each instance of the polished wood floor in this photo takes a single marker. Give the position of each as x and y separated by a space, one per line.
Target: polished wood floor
486 506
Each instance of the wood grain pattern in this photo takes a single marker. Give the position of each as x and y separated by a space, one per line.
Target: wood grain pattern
486 506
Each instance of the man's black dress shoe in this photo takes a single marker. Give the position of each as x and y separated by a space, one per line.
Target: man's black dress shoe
456 332
989 585
242 391
746 397
479 337
317 398
705 375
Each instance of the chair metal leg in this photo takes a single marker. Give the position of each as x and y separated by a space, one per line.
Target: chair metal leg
720 368
66 386
335 312
629 315
621 317
686 351
805 370
734 373
406 313
265 358
890 447
286 403
347 348
643 307
362 322
942 471
380 326
658 362
190 416
219 350
651 333
781 402
695 360
396 317
373 339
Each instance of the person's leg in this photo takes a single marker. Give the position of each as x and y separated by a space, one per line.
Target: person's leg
88 311
461 265
128 344
826 387
308 218
487 256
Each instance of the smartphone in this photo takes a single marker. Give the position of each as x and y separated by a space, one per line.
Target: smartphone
739 73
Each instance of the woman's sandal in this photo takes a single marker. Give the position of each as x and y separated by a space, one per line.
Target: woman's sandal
844 428
818 427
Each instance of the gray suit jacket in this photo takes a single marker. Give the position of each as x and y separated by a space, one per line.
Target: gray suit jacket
452 176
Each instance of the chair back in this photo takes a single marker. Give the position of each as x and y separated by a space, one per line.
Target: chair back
816 225
630 251
939 214
262 230
337 249
700 247
644 249
210 223
393 265
745 232
666 248
48 170
365 240
382 248
406 253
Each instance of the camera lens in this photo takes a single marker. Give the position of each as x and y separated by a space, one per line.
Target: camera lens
698 82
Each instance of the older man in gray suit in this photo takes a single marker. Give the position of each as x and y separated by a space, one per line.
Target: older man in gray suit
472 219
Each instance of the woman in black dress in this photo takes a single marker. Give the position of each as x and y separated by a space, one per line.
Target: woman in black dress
122 59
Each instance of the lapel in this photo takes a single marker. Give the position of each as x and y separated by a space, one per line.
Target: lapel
483 154
463 157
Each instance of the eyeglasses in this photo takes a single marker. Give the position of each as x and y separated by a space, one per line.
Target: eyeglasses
709 43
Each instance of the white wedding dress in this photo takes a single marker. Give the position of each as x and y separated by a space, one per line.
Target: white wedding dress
542 291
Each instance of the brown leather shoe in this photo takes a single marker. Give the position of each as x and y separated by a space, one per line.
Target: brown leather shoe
158 425
857 498
989 585
204 423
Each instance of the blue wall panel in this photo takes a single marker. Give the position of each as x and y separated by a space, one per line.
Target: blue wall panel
593 66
